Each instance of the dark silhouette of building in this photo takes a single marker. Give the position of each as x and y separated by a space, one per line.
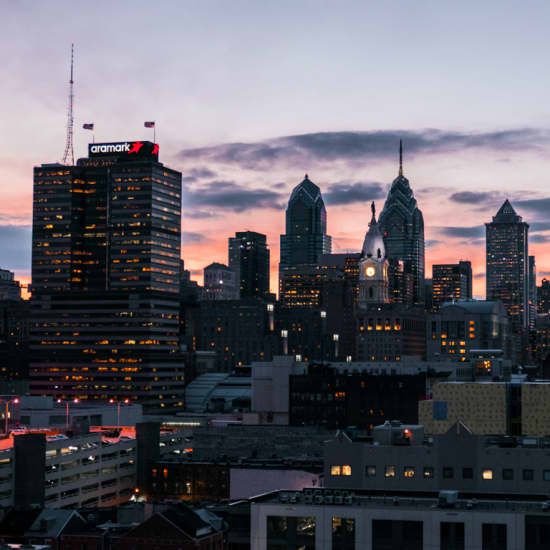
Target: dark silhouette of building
390 332
220 282
15 316
508 263
532 291
451 282
543 297
238 331
403 229
249 259
106 278
10 289
305 238
469 327
335 398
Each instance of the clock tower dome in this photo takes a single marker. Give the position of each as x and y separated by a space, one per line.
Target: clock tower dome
373 267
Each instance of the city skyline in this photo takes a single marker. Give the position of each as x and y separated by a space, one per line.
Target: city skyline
241 151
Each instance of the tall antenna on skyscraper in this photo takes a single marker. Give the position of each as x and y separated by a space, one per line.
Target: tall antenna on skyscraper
68 155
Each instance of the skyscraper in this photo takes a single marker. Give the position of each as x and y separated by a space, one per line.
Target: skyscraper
306 227
403 229
451 282
508 263
105 278
249 259
532 291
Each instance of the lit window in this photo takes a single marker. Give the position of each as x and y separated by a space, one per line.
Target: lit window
346 470
335 470
371 471
408 471
487 474
390 471
428 472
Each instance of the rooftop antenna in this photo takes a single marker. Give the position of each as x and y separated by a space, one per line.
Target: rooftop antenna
400 157
68 155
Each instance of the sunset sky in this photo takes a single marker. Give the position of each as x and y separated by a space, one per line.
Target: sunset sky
250 95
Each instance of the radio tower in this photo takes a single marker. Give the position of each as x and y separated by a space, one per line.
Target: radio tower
68 155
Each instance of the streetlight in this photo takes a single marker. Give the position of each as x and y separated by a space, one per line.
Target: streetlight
323 315
270 316
284 336
15 401
75 401
112 401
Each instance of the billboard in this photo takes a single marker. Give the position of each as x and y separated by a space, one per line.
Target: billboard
125 150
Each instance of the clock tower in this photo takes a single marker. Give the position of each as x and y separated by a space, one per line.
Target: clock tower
373 267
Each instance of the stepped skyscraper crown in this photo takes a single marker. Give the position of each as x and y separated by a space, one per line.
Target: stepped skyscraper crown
402 226
306 236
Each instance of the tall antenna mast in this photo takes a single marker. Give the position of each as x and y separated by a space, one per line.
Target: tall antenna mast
68 155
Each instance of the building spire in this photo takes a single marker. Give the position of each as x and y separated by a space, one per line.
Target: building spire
401 157
373 209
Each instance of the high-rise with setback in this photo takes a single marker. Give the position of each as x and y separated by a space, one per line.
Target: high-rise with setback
403 229
508 263
105 278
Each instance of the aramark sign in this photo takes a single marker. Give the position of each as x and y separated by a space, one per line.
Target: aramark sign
126 150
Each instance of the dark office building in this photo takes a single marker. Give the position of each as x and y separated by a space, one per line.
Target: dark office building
106 278
10 289
329 397
306 236
543 297
403 229
14 339
508 263
468 326
532 291
238 331
249 259
451 282
390 332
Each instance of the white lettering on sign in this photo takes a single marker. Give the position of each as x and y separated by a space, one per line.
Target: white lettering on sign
110 148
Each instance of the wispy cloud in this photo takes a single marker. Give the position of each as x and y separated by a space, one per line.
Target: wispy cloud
229 195
472 232
352 192
332 146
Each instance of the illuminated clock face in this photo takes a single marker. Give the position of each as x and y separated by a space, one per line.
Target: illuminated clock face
370 271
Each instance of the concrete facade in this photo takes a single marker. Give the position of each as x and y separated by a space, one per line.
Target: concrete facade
366 511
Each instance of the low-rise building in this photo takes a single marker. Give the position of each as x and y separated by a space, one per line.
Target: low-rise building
327 519
518 407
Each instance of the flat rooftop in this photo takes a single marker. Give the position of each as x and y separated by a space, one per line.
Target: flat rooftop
406 501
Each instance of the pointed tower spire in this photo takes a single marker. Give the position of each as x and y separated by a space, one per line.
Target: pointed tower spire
373 210
401 157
